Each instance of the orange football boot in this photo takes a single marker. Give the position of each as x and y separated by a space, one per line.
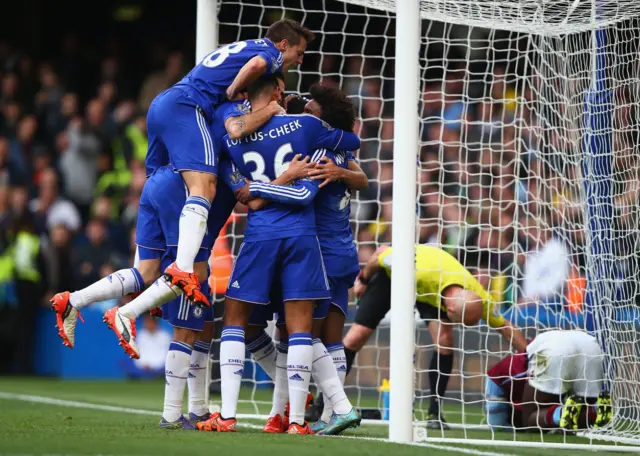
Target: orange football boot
274 425
125 329
295 428
66 318
216 424
285 420
188 282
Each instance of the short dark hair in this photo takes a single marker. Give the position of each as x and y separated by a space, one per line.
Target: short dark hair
337 109
264 83
290 30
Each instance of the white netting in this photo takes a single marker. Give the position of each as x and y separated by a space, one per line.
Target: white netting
511 181
546 17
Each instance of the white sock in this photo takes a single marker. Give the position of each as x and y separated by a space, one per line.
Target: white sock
176 370
336 351
232 349
326 376
299 362
264 352
116 285
281 386
160 292
193 225
197 381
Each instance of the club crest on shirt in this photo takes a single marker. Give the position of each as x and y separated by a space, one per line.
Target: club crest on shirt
197 311
243 108
236 176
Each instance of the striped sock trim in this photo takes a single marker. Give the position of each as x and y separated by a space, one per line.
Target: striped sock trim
316 341
300 339
233 333
201 346
199 201
180 346
258 343
283 347
139 280
335 347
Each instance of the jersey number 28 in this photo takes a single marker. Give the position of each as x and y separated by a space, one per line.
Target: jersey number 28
220 55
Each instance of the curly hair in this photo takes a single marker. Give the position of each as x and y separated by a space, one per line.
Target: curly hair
337 109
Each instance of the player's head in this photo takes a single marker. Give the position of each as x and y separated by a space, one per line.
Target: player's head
463 306
266 89
331 105
291 39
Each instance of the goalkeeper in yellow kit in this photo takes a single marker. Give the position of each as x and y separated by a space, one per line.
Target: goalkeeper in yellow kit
446 293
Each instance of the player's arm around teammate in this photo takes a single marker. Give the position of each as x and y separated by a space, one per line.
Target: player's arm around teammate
188 140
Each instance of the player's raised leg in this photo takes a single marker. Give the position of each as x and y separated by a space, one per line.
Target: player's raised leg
67 305
186 133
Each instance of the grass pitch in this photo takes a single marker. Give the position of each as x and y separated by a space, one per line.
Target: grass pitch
45 416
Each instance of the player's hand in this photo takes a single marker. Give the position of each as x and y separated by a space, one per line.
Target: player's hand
232 92
243 194
276 108
288 99
299 169
359 288
327 171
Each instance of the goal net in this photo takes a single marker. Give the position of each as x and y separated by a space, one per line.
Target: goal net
528 174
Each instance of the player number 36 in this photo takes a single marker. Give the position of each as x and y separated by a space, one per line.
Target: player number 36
279 163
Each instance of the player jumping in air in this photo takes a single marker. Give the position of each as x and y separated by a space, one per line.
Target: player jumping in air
232 118
180 132
557 383
280 242
446 292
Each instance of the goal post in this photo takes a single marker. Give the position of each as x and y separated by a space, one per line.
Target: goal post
403 228
490 128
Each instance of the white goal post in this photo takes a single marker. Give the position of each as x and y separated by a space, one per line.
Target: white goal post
492 128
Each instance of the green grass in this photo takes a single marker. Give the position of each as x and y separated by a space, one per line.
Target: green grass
34 428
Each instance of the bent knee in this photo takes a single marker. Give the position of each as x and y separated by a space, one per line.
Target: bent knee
357 337
149 270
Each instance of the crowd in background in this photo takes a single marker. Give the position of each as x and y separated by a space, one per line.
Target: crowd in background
494 185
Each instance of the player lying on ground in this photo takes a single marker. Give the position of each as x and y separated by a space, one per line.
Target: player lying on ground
231 118
179 129
447 293
279 239
556 384
338 172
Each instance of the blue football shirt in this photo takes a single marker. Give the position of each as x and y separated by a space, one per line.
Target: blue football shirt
265 154
208 81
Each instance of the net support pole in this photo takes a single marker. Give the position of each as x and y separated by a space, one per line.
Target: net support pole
405 153
598 178
206 28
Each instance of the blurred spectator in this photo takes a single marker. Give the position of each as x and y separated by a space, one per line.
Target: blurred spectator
50 208
95 259
161 80
547 265
79 153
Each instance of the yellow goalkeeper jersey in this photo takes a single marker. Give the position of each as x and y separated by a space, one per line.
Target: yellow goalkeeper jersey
437 270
